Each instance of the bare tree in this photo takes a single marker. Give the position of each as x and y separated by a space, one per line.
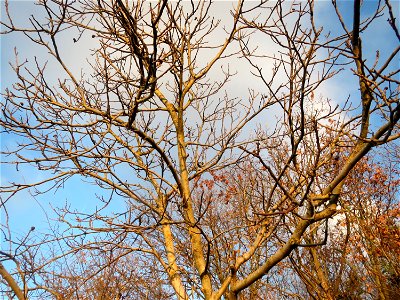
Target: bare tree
157 126
360 257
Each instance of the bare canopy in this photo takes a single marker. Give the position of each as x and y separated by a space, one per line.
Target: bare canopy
208 184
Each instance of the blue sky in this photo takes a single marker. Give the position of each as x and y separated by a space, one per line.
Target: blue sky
25 210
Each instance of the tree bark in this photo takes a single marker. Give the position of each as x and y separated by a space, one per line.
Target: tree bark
12 283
